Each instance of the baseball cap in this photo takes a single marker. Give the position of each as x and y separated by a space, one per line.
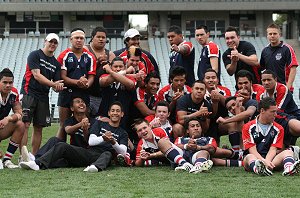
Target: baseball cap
52 36
131 33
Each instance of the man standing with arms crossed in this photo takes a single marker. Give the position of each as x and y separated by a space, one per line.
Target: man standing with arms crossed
42 72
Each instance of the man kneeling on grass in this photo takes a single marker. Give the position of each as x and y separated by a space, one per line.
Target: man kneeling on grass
157 140
106 139
263 138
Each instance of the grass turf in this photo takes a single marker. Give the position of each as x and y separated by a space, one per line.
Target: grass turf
141 182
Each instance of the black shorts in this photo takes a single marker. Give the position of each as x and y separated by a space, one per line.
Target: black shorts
283 119
36 111
65 97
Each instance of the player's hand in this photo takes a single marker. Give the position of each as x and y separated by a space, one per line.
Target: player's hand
110 137
85 124
221 120
4 122
215 96
175 48
82 82
155 123
203 111
107 68
177 95
145 155
58 85
130 70
234 55
270 165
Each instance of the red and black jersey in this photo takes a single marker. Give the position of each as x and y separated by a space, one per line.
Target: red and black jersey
7 105
49 67
279 59
253 135
147 59
208 51
141 96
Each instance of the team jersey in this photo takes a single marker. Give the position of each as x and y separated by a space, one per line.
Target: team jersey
279 59
147 59
284 99
77 138
208 51
151 147
99 128
7 105
167 126
166 93
246 49
77 68
253 136
49 67
185 103
187 62
141 96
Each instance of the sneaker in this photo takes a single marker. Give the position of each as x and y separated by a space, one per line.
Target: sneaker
296 150
9 164
124 161
197 168
292 170
262 169
1 164
91 169
206 166
25 154
184 167
31 165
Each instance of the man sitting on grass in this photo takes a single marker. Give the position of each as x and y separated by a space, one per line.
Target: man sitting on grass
105 139
263 139
10 125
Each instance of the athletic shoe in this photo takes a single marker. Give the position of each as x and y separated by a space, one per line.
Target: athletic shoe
1 164
184 167
206 166
197 168
9 164
25 154
292 170
31 165
124 161
262 169
91 169
296 151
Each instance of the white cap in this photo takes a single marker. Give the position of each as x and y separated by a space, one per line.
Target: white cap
131 33
52 36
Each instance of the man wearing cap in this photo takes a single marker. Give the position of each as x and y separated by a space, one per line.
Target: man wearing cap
78 69
42 72
132 38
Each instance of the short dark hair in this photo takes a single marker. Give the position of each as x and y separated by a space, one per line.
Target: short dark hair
97 29
197 81
162 103
177 71
116 103
75 29
7 73
232 29
152 74
187 122
134 51
266 103
267 71
244 73
117 58
229 99
138 121
204 27
211 70
176 29
74 97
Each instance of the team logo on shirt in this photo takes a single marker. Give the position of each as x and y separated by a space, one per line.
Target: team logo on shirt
278 56
70 60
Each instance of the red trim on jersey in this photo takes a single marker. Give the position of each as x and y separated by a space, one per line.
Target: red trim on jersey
28 75
189 45
213 49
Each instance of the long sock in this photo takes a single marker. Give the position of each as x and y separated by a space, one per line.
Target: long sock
252 166
174 156
200 160
234 139
233 163
11 149
288 162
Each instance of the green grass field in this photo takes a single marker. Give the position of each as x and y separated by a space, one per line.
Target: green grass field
142 182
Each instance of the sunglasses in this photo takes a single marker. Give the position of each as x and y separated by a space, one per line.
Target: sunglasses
54 42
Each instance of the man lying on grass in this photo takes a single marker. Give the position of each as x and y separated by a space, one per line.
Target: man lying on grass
106 139
263 140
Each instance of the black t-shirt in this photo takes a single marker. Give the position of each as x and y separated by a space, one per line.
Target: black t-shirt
77 138
246 49
99 128
185 103
254 103
48 66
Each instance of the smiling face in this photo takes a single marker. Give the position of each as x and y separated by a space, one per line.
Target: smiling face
78 105
115 113
51 45
210 80
230 106
144 131
232 39
152 86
